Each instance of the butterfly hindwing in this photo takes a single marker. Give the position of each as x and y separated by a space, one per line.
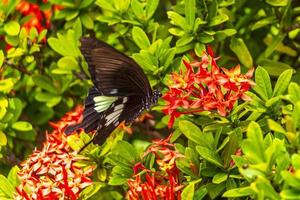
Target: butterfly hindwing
113 73
91 112
125 109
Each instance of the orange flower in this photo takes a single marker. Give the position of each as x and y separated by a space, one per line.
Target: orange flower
52 173
40 19
205 86
161 184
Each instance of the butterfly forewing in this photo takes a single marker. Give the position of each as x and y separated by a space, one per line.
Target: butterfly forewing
113 73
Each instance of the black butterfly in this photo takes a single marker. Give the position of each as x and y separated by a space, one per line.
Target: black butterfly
120 93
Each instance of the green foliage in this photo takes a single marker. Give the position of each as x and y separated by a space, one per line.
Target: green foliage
43 75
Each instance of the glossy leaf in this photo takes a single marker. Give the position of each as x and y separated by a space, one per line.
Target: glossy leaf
238 192
12 28
282 82
140 38
240 49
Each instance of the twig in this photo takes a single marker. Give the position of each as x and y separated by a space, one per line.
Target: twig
19 68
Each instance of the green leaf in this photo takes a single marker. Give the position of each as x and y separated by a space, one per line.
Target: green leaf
199 49
263 186
219 178
188 192
290 179
167 59
137 8
151 7
190 11
147 61
123 154
70 14
91 190
22 126
42 35
1 58
78 29
263 83
120 175
87 21
3 106
282 82
274 126
17 105
122 6
240 49
215 190
176 19
200 193
6 85
219 19
13 176
3 139
272 101
238 192
85 3
65 45
45 83
263 22
253 146
106 5
294 92
176 31
277 2
276 41
290 194
15 52
12 28
296 161
6 187
33 33
274 68
193 133
231 147
184 40
221 35
69 63
140 38
210 156
75 142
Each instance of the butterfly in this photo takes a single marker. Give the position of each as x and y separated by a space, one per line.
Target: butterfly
120 93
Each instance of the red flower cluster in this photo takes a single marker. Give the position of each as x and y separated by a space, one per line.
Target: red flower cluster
161 184
52 173
38 18
204 86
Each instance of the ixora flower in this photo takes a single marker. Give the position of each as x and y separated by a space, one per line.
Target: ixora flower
161 184
204 86
52 172
40 19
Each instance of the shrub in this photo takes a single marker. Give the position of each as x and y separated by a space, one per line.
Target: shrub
216 132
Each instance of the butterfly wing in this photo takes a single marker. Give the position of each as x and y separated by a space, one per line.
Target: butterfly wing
113 73
124 109
120 86
90 115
